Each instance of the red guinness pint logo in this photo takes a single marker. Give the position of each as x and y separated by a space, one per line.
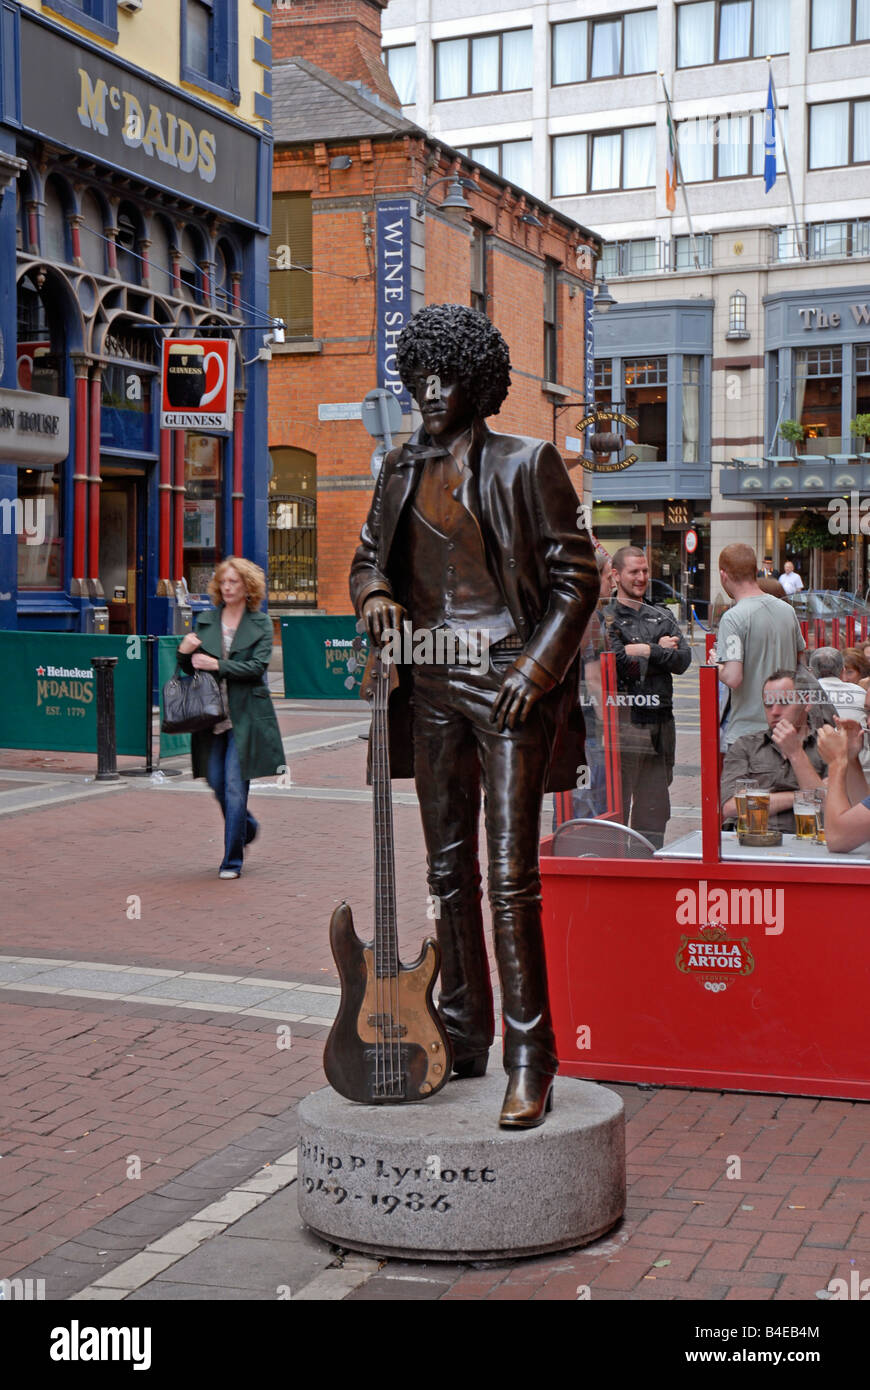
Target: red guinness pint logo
714 957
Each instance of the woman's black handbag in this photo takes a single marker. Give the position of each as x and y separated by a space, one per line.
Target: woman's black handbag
191 703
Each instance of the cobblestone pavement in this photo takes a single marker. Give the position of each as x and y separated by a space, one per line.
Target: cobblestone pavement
149 1091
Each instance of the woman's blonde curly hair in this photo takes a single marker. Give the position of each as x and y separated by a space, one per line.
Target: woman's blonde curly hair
253 578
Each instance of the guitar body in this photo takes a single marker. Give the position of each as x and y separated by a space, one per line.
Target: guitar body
387 1045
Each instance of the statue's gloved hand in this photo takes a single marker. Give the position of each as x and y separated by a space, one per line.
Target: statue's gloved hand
514 700
381 613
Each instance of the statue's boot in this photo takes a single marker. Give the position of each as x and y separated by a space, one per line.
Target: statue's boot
529 1046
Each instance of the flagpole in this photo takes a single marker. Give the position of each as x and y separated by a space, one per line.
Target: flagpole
787 166
679 173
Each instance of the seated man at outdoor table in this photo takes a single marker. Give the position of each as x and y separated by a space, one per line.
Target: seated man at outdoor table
847 810
783 757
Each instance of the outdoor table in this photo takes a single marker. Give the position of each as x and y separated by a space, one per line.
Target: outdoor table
791 851
711 965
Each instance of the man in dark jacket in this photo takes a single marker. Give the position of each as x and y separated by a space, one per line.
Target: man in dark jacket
478 531
650 651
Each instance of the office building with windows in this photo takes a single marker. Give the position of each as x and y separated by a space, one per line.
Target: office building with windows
736 309
135 169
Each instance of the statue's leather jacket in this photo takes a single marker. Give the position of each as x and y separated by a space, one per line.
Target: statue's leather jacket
524 503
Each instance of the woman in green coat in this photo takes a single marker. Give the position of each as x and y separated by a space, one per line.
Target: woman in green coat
233 641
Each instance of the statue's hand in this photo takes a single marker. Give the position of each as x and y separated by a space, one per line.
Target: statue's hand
514 700
381 613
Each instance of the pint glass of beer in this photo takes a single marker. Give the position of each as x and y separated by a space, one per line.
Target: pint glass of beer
757 809
820 796
805 815
740 797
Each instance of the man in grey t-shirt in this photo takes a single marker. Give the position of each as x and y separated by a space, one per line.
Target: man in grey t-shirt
758 635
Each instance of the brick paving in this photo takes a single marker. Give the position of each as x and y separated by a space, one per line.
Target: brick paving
202 1099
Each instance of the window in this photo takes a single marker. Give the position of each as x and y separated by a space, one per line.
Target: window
691 408
478 270
551 364
512 160
839 134
482 64
684 256
293 527
210 46
603 381
646 399
41 360
601 161
203 508
817 397
402 67
290 261
727 147
862 379
726 30
641 256
100 16
837 23
588 49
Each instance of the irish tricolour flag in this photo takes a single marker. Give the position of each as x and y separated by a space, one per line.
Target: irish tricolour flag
671 169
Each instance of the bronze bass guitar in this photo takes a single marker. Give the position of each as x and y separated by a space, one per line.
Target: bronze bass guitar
387 1044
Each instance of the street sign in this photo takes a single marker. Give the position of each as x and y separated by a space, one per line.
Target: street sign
382 414
340 410
691 542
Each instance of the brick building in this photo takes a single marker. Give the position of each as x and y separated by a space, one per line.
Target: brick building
358 194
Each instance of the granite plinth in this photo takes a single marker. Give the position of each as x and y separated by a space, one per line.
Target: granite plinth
440 1181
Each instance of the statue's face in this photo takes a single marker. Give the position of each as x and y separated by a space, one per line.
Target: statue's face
444 405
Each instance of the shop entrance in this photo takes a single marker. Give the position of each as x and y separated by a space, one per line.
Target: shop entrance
122 547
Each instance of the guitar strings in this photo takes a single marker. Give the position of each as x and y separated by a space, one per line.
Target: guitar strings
386 955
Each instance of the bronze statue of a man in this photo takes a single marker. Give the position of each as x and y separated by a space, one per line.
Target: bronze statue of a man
477 532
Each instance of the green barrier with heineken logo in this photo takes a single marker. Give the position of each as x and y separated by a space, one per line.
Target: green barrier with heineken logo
50 691
319 660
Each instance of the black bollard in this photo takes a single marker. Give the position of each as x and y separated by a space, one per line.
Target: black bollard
104 666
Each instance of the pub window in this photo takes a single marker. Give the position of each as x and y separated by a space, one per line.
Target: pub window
210 46
482 64
100 16
862 379
160 257
646 400
839 134
40 357
290 264
585 49
838 23
691 408
725 30
402 66
129 264
603 381
203 507
818 393
55 240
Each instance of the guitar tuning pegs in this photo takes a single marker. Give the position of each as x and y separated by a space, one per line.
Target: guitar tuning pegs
349 683
352 665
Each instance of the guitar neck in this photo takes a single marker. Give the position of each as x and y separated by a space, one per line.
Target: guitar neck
386 942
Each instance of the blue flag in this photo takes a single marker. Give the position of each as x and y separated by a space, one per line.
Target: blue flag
769 139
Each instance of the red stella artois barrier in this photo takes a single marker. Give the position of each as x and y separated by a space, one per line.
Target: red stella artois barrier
197 384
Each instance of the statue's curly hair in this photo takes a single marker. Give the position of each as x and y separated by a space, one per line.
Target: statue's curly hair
460 344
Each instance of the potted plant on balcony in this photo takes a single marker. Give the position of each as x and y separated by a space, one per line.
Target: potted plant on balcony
792 431
860 428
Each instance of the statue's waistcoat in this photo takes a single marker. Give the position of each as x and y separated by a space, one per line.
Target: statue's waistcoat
449 581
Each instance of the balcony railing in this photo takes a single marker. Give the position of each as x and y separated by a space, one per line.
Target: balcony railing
654 255
819 241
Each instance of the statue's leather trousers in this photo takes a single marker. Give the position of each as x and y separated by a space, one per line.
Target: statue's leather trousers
455 746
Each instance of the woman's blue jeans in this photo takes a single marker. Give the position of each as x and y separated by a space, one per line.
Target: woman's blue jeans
224 776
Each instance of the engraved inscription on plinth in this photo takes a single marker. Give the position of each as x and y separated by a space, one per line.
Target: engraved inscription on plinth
440 1180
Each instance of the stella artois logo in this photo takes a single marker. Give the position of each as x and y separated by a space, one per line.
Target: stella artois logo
714 957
